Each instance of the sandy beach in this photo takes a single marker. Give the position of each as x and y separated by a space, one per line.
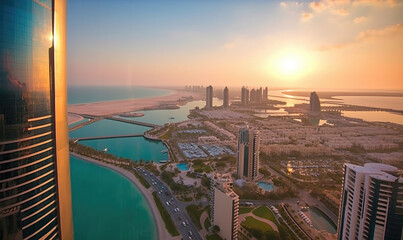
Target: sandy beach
129 105
162 233
72 118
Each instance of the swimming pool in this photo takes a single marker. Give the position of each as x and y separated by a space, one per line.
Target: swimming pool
182 166
266 186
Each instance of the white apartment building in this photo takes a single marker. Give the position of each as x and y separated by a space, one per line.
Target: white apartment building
372 203
224 207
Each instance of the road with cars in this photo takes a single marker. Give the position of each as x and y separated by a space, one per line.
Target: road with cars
175 208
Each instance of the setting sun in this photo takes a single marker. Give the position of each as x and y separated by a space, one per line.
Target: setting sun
289 65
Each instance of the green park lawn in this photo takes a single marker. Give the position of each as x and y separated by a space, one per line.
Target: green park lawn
251 223
243 210
264 212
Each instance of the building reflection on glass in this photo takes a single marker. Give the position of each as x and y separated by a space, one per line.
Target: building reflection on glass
29 196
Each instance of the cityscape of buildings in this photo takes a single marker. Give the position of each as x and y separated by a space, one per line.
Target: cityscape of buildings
246 176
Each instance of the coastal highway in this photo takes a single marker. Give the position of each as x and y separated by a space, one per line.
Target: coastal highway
175 208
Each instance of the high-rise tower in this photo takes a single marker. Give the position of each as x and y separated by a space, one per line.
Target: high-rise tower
224 206
209 97
35 198
226 98
265 93
248 154
372 203
244 96
314 103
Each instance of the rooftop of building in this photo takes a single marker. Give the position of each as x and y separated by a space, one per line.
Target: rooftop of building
223 182
379 171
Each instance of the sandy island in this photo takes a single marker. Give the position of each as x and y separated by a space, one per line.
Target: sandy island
129 105
162 233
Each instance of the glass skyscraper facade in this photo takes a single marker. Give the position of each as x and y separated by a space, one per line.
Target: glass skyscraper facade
248 153
33 163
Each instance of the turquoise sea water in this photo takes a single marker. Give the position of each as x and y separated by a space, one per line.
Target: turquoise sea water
87 94
107 127
107 205
135 148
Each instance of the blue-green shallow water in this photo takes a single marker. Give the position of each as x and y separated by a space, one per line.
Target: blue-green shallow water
87 94
107 205
161 117
135 148
107 127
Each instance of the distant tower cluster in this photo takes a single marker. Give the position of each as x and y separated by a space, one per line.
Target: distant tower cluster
248 154
226 98
314 103
254 95
224 206
372 203
209 97
194 88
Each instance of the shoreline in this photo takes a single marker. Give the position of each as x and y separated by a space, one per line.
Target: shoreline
337 94
131 105
162 233
73 118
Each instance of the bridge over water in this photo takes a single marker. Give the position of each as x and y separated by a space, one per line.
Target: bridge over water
132 122
105 137
98 118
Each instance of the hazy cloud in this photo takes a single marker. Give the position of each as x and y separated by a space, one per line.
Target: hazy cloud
332 47
367 35
375 33
283 4
229 45
340 12
318 6
360 19
321 5
375 2
306 17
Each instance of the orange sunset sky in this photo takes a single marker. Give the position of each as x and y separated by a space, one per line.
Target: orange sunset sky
329 44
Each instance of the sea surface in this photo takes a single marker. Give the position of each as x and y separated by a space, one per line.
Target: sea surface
161 117
107 205
88 94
